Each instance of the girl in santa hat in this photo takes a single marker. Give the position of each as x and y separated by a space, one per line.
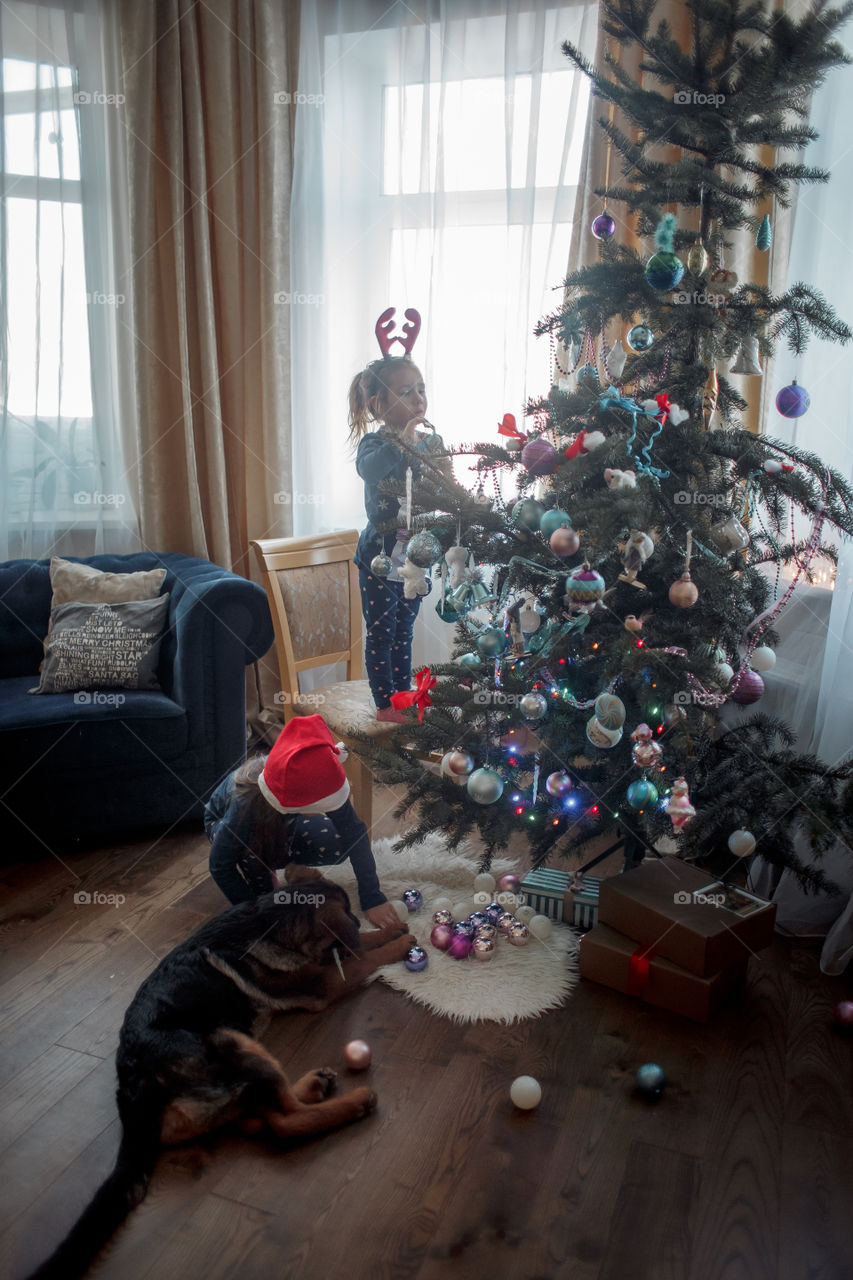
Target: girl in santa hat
291 806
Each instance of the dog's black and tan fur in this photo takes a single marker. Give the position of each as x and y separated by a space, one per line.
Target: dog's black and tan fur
188 1061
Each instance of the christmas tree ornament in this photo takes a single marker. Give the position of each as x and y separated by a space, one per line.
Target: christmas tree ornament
603 227
527 513
773 467
381 566
584 587
483 948
456 559
416 959
749 688
697 259
441 937
485 785
763 658
558 784
610 710
533 706
764 235
564 542
463 929
518 934
515 439
615 362
554 519
525 1093
843 1015
357 1055
678 806
442 917
641 794
729 535
487 932
478 920
494 911
447 613
793 401
460 763
539 457
460 947
741 843
525 914
584 442
620 479
664 269
510 883
599 736
632 623
723 281
748 358
725 673
684 593
413 899
587 376
640 337
540 927
709 398
645 752
414 578
505 921
635 554
472 661
424 549
491 642
650 1080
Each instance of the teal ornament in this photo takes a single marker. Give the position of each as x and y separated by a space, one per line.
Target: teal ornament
446 612
664 269
587 376
424 550
640 338
491 642
472 661
553 520
642 793
584 586
527 513
764 235
485 786
650 1080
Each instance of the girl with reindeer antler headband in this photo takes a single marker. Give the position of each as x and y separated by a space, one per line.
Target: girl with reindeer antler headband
389 392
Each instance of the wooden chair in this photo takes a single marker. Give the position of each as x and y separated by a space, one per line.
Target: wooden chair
312 588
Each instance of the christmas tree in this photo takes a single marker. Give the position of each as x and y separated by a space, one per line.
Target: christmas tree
627 590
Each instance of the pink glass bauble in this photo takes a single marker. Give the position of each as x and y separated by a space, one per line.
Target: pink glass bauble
684 592
483 948
357 1055
843 1013
506 921
509 884
750 688
442 936
460 947
564 542
442 917
518 934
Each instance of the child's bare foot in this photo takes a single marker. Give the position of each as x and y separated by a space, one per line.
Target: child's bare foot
389 715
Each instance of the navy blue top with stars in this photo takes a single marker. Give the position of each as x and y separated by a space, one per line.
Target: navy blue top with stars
377 459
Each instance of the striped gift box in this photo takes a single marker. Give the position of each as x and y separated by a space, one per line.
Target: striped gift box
545 891
585 903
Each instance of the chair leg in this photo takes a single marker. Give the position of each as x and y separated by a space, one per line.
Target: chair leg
361 784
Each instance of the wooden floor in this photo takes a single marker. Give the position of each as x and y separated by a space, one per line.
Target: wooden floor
744 1171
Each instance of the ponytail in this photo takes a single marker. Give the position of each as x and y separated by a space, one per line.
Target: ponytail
370 383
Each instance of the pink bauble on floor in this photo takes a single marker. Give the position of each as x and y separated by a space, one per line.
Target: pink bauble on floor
357 1055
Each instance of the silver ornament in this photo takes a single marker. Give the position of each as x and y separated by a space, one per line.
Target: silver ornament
518 934
533 706
424 549
485 786
381 566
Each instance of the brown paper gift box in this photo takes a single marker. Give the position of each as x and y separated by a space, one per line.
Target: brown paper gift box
606 957
672 906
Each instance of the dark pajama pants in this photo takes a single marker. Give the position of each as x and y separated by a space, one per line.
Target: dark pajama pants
389 623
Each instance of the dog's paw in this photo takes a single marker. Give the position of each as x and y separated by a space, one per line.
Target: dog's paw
365 1102
327 1080
316 1085
398 948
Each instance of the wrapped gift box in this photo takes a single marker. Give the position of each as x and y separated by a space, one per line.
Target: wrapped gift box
618 962
583 900
547 892
669 906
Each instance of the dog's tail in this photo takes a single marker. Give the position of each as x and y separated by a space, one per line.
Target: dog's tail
122 1191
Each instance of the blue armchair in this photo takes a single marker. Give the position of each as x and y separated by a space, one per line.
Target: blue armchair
73 768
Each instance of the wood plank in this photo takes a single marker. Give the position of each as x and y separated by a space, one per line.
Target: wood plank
26 1097
816 1225
658 1191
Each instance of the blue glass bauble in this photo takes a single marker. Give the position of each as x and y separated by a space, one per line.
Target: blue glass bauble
650 1079
491 642
642 793
472 661
640 338
416 959
793 401
412 899
664 270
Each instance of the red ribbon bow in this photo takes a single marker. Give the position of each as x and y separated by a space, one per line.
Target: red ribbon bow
508 428
638 972
417 697
664 406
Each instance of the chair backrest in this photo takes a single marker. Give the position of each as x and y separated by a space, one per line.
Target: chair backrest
312 588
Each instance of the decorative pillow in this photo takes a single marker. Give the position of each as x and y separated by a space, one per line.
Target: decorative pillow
103 646
92 586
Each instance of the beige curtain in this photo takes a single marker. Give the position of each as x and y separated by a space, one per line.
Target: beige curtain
209 175
598 171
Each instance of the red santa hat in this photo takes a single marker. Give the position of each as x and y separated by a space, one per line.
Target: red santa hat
303 772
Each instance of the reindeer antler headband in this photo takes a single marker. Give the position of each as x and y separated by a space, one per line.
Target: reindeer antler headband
386 337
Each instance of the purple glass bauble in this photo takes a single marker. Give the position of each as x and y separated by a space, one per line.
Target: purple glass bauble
793 401
477 918
750 688
539 457
442 936
843 1013
416 959
412 899
603 227
442 917
494 911
460 947
464 930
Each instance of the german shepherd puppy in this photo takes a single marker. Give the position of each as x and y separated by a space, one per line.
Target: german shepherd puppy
188 1061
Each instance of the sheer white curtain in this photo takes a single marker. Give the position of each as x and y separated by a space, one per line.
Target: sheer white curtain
810 686
436 159
62 477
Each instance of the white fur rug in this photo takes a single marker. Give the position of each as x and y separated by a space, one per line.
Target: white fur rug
517 983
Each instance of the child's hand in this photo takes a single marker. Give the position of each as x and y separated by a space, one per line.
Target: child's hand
384 916
409 434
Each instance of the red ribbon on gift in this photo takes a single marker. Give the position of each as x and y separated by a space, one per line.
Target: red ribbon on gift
508 428
417 697
638 972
